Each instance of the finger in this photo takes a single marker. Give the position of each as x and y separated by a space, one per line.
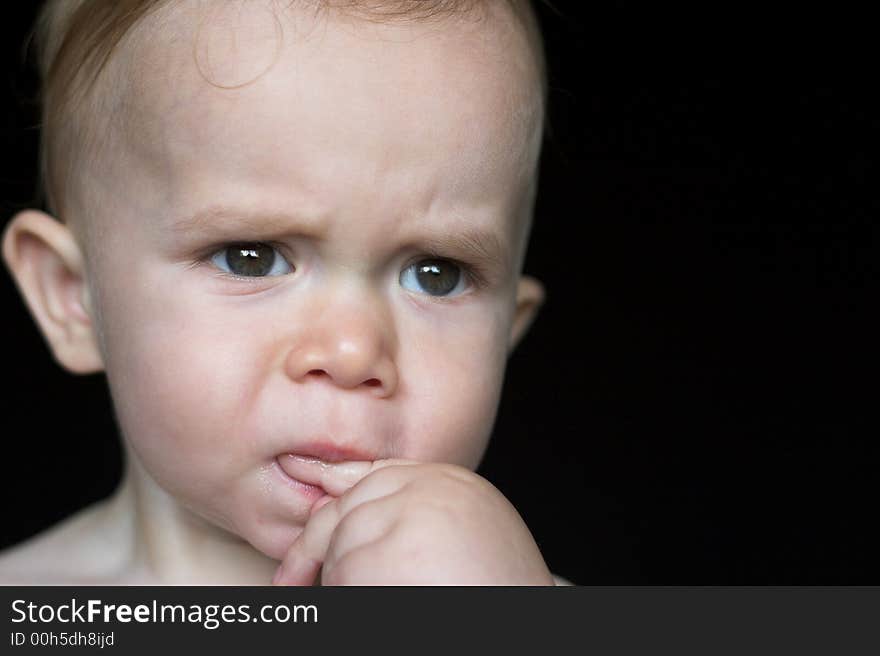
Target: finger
362 525
320 503
335 477
305 556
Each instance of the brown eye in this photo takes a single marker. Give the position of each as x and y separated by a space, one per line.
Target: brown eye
433 277
251 261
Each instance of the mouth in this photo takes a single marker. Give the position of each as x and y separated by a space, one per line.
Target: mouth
311 491
323 452
330 453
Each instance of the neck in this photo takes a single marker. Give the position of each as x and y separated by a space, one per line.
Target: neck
160 542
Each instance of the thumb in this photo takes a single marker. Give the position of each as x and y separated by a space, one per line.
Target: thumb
335 477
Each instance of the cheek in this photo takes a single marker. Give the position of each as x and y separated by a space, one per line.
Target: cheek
178 380
456 384
186 372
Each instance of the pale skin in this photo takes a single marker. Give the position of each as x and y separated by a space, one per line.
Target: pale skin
320 421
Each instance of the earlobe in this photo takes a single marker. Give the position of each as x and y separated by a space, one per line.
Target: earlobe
47 264
529 298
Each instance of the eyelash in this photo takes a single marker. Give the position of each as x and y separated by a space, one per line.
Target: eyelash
474 274
205 256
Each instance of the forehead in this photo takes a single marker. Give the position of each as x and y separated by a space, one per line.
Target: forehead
275 97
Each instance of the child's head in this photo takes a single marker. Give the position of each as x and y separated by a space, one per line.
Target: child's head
285 227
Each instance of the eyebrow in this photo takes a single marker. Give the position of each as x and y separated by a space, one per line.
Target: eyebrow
229 219
470 244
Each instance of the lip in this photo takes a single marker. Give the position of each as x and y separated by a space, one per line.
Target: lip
330 453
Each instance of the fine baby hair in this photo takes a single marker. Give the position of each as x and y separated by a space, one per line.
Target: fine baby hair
291 235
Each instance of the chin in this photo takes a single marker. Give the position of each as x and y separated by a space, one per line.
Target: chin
271 538
270 533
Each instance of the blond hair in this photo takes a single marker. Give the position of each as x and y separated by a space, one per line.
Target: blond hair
76 39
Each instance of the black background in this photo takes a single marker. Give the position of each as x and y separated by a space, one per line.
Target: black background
692 406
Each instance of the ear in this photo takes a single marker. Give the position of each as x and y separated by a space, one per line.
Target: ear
45 260
529 298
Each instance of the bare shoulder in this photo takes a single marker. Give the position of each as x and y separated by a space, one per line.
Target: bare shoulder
61 555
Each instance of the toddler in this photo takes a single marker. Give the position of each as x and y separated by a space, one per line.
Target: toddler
291 234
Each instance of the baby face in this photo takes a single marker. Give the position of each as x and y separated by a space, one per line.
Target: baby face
323 261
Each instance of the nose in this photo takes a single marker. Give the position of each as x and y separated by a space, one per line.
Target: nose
350 345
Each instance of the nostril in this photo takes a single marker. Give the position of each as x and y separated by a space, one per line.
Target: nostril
370 382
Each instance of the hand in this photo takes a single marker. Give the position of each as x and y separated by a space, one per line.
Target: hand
399 522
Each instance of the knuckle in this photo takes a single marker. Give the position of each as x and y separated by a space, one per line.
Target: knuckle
462 474
452 480
380 482
358 528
